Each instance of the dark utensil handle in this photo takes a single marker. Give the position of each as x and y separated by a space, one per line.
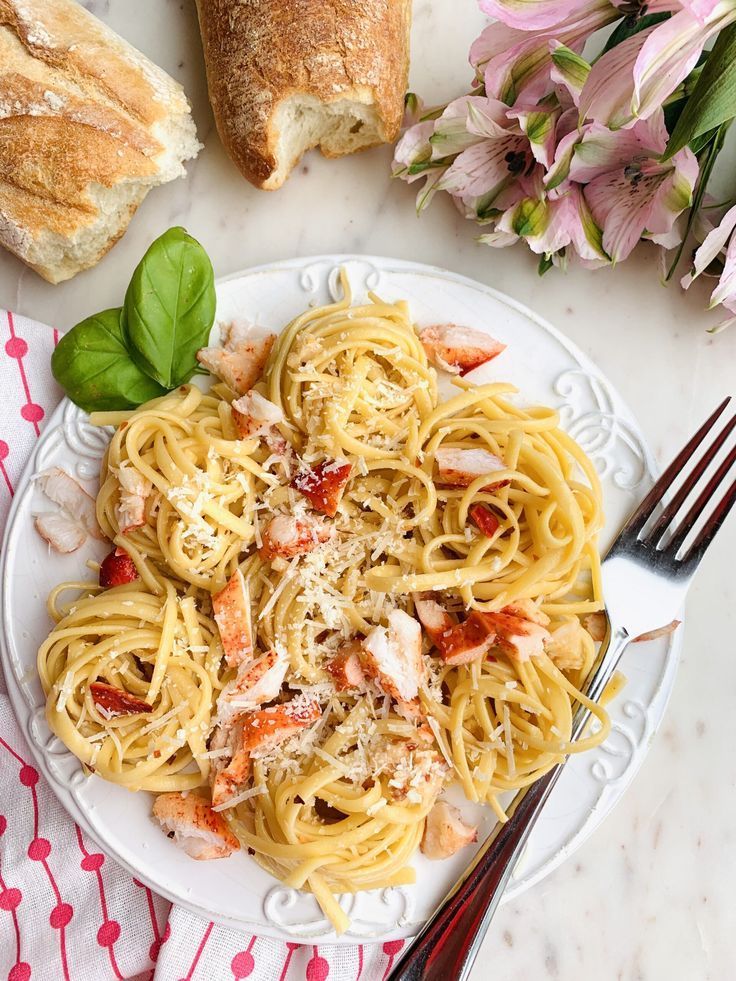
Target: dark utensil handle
447 945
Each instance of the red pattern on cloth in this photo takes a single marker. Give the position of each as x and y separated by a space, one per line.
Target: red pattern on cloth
66 910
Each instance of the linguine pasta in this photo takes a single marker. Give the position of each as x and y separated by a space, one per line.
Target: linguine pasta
340 804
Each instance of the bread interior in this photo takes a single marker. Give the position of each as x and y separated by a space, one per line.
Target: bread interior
303 121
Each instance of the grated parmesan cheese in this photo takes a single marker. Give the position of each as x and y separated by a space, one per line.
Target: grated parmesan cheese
239 798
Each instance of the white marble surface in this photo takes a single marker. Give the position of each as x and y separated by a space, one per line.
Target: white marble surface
649 897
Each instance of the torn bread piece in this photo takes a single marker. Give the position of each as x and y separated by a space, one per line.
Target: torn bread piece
89 125
286 77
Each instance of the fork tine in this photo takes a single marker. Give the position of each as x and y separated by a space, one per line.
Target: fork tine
688 522
698 548
697 472
640 517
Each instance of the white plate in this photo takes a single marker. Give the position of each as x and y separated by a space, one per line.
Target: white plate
236 892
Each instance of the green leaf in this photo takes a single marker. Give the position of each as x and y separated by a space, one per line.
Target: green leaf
633 25
93 366
169 308
713 100
707 162
699 144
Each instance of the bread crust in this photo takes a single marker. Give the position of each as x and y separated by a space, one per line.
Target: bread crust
85 130
260 52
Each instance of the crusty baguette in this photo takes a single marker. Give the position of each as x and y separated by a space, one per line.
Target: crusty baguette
87 126
287 75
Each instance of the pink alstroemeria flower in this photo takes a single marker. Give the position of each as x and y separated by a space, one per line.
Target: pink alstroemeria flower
633 79
515 65
473 150
713 245
492 151
586 153
641 200
631 194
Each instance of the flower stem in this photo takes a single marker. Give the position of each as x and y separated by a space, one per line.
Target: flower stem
710 153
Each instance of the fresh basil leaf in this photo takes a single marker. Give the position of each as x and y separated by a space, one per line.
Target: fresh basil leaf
713 100
633 25
93 366
169 308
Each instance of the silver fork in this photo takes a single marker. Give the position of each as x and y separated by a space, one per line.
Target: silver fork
646 575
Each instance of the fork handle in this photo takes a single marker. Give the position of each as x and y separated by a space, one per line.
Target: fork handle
445 948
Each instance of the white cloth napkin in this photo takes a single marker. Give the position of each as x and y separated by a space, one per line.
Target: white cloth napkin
67 912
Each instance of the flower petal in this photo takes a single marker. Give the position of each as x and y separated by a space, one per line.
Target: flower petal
701 9
725 292
712 244
642 198
493 40
670 53
585 234
499 240
560 168
540 127
674 194
412 149
489 118
522 67
554 222
601 149
568 69
451 134
486 167
606 95
531 15
427 192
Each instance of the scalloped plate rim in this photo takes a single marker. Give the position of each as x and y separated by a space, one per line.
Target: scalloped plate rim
605 802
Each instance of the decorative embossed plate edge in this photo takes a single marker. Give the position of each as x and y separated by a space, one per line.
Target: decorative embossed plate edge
590 409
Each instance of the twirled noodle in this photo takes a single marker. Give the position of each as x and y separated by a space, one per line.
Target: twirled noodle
340 806
342 810
159 648
199 518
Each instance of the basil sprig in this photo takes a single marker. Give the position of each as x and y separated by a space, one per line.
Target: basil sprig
93 366
170 307
123 357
